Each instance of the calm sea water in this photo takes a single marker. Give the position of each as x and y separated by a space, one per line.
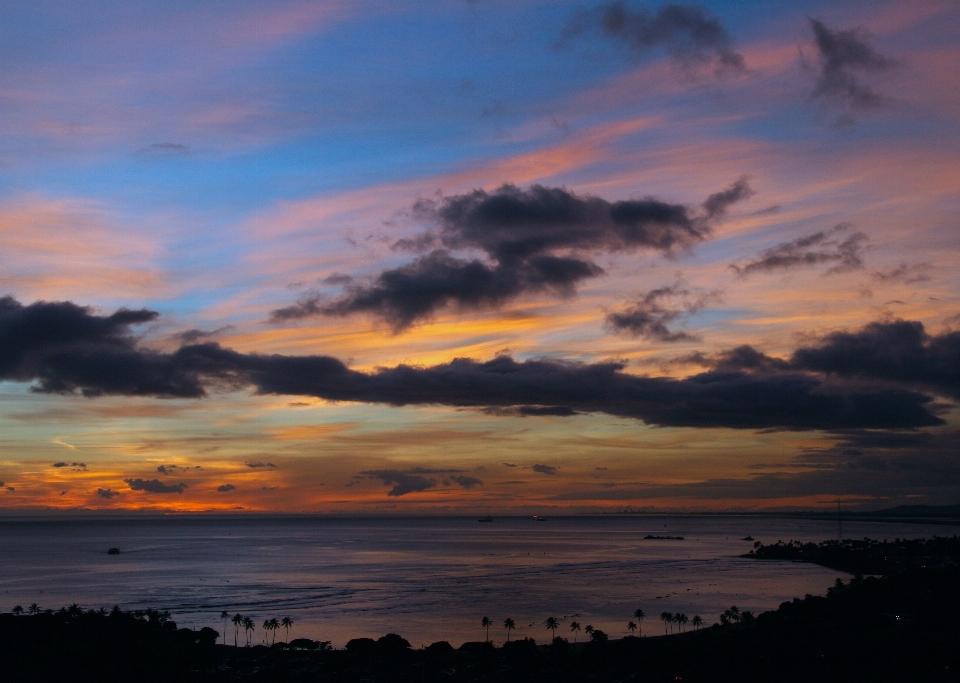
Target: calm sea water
426 579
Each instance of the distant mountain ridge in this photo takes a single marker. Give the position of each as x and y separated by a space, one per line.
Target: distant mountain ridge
941 511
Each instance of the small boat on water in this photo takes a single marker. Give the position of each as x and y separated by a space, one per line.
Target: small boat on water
113 551
538 518
488 518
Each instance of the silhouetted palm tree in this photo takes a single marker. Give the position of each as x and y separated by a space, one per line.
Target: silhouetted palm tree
486 623
224 616
588 629
552 624
639 614
34 608
681 619
248 628
667 620
631 626
697 621
574 626
17 610
266 630
237 623
509 625
274 626
287 622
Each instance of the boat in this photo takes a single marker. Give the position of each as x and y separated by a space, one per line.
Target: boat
488 518
538 518
113 551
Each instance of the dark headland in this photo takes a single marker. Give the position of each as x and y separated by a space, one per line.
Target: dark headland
900 625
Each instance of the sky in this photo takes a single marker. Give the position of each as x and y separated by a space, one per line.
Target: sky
478 256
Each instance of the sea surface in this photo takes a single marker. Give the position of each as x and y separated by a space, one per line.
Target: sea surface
427 579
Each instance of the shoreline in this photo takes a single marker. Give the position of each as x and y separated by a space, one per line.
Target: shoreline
894 628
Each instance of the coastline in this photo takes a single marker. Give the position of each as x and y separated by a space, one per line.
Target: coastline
895 628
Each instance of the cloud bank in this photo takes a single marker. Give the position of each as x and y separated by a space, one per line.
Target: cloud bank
743 389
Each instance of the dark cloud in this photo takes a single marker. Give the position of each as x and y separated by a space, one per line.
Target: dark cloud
899 351
78 465
505 464
535 240
689 34
257 465
845 56
193 336
337 279
648 318
466 482
903 274
164 149
718 203
727 395
824 247
417 479
545 469
65 348
154 486
104 493
223 488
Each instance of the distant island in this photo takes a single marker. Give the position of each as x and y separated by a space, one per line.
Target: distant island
898 627
652 537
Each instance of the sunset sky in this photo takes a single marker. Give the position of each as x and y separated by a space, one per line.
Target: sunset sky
479 256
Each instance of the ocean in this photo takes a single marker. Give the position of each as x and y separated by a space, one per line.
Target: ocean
427 579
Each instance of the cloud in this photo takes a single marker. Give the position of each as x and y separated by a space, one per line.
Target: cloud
154 486
717 204
648 318
538 239
78 465
466 482
898 351
789 397
164 149
824 247
193 336
689 34
223 488
843 55
505 464
904 274
66 348
545 469
257 465
103 493
402 482
413 480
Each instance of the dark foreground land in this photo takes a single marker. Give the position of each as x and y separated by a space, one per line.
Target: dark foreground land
901 627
